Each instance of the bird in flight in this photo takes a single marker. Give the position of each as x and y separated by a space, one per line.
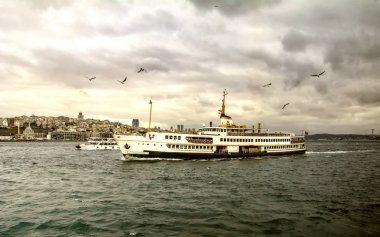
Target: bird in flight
141 70
122 82
90 78
283 107
317 75
267 85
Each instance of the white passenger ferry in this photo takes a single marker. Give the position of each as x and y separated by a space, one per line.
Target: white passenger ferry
224 141
97 143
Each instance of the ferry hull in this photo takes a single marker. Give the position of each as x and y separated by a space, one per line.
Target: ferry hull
202 156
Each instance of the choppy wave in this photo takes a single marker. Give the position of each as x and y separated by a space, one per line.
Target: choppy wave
338 152
72 193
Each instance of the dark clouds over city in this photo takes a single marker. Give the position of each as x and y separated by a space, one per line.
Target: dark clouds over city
192 50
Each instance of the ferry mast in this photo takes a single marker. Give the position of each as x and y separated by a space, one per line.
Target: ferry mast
225 120
150 115
222 111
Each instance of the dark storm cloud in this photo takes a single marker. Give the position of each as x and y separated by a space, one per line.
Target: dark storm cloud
365 95
160 21
292 70
72 68
346 53
295 41
192 50
233 7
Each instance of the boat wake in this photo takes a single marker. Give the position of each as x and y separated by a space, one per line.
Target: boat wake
150 159
338 152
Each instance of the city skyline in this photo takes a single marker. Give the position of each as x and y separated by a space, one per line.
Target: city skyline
262 52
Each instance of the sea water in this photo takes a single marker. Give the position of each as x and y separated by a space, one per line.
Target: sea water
51 189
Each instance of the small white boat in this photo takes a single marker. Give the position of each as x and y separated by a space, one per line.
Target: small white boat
96 143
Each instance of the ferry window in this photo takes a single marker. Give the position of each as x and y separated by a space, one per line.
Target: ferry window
154 144
176 146
166 136
179 137
175 138
171 137
181 146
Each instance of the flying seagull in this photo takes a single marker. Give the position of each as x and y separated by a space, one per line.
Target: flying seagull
122 82
283 107
317 75
141 70
267 85
92 78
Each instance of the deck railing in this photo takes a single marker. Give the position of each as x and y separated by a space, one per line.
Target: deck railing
258 134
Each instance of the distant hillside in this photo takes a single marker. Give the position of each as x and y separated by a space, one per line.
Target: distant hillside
325 136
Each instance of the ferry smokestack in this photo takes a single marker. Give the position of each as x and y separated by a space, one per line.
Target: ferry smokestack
210 123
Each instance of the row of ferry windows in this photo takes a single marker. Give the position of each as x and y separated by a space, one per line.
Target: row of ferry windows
253 140
173 137
214 129
187 147
284 147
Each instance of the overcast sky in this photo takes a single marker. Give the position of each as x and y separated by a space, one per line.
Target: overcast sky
192 50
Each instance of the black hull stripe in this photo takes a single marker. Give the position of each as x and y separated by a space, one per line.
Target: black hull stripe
200 156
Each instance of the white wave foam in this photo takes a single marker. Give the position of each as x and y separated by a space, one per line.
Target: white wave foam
336 152
151 159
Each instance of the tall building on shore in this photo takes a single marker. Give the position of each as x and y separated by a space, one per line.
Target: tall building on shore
180 127
135 123
80 116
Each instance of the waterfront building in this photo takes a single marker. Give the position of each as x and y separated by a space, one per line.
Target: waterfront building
68 135
28 133
135 123
80 116
4 122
